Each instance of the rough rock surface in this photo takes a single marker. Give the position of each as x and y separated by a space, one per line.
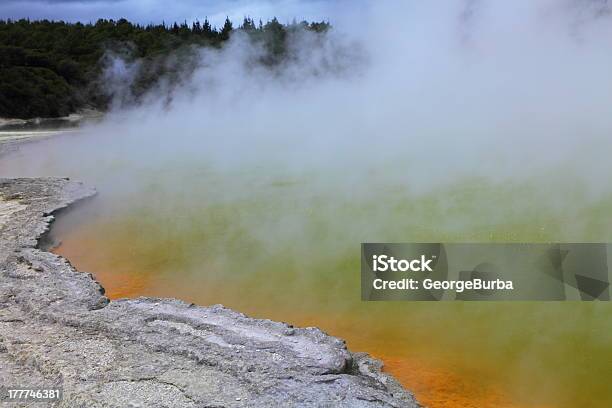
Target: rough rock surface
58 329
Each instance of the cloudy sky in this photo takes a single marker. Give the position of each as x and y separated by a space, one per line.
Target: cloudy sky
146 11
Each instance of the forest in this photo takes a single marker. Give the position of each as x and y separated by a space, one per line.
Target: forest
54 68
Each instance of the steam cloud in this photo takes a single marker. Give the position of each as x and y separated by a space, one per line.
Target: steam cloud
504 103
472 121
425 92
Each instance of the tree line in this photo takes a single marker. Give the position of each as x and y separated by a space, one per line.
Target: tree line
53 68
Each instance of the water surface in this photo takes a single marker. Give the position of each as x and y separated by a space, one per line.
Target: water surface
284 255
274 242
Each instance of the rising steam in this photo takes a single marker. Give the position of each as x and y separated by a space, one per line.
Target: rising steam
423 93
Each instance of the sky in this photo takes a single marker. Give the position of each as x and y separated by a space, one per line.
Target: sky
146 11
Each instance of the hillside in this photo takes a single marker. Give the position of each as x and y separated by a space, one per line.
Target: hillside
53 68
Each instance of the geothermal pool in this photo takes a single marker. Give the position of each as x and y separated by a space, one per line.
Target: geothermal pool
286 246
280 254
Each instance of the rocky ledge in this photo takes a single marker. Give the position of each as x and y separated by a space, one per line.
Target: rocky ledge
58 329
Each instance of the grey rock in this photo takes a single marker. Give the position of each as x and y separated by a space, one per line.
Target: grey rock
58 329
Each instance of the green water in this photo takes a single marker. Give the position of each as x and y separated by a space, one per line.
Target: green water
288 248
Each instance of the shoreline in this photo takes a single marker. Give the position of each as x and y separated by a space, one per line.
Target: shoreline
153 350
15 132
12 140
73 118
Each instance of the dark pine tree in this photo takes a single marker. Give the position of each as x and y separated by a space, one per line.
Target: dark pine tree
207 29
226 30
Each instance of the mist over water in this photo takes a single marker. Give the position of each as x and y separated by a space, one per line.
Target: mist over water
253 187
